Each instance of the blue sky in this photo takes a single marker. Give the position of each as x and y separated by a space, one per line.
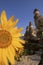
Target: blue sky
21 9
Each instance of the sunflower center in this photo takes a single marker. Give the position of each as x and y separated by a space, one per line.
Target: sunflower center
5 38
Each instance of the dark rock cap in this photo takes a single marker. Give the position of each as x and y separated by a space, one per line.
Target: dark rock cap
35 10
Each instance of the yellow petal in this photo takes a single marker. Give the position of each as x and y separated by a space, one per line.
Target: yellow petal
15 22
11 19
21 41
10 56
0 55
4 57
20 29
14 45
17 35
12 50
16 32
17 44
10 22
3 19
15 48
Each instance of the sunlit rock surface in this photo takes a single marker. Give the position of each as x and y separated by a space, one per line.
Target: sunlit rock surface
29 60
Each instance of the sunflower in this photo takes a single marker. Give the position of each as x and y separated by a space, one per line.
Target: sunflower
10 41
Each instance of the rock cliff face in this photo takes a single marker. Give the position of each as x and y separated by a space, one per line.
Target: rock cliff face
33 46
33 34
30 32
